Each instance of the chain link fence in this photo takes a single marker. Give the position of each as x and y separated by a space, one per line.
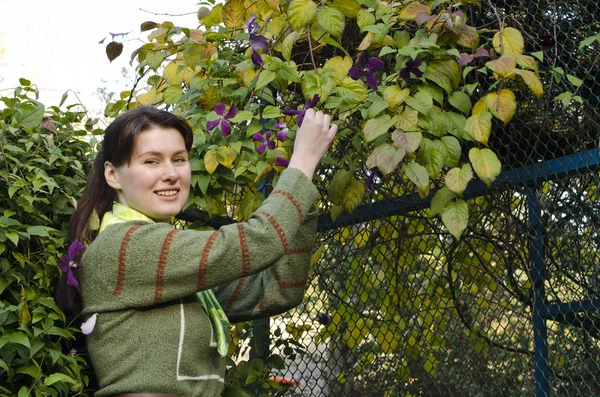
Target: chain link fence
397 307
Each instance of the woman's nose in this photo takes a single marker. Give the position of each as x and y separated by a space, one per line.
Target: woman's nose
169 172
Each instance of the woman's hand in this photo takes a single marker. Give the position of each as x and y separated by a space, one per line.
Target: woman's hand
312 141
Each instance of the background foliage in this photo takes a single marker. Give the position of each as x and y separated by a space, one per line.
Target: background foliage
44 167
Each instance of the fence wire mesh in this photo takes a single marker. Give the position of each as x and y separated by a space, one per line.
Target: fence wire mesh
397 307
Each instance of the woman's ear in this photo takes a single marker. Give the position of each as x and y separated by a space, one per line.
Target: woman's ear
111 175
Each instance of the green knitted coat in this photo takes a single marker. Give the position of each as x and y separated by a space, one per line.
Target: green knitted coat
151 334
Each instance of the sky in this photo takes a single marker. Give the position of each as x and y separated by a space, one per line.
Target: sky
56 46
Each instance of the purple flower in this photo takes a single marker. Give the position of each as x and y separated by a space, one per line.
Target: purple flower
222 120
547 43
70 261
369 182
364 68
411 66
300 113
281 162
257 42
268 139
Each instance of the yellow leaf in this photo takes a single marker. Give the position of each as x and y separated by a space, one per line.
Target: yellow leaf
409 13
151 97
210 162
486 164
229 157
354 195
350 8
408 120
174 75
532 81
395 95
301 13
317 255
366 42
527 62
479 127
234 14
340 67
503 66
509 41
214 17
457 179
480 106
502 106
94 223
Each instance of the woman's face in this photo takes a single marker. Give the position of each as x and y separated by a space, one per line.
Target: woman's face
156 182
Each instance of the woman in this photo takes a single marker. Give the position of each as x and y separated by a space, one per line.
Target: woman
161 297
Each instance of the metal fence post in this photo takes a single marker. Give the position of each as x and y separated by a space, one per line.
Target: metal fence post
538 277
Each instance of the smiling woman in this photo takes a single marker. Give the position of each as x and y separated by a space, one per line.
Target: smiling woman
157 178
159 300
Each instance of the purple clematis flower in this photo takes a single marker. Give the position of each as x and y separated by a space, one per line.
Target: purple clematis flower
300 113
411 66
369 182
222 120
547 43
257 42
70 261
366 69
268 139
281 162
265 141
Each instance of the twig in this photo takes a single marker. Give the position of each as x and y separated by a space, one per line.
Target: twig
312 57
171 15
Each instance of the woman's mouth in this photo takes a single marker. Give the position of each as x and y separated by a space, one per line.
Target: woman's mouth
167 193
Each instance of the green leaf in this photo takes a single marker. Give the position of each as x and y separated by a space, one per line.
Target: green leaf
365 18
301 13
453 151
461 101
271 112
332 20
288 44
23 392
264 78
154 59
417 174
377 126
486 164
31 370
455 217
244 115
574 80
421 102
31 116
337 186
439 200
52 379
350 8
172 94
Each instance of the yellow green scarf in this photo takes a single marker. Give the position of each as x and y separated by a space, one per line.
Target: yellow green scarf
121 213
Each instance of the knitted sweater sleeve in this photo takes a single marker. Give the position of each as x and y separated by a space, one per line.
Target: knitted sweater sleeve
278 288
137 264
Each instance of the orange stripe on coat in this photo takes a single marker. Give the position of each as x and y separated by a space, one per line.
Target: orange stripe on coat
204 260
162 262
292 199
122 256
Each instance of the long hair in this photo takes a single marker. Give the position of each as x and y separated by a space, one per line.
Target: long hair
117 148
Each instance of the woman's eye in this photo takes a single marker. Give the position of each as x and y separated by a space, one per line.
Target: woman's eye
150 162
180 160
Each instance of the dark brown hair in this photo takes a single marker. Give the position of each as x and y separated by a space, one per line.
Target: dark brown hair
117 148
